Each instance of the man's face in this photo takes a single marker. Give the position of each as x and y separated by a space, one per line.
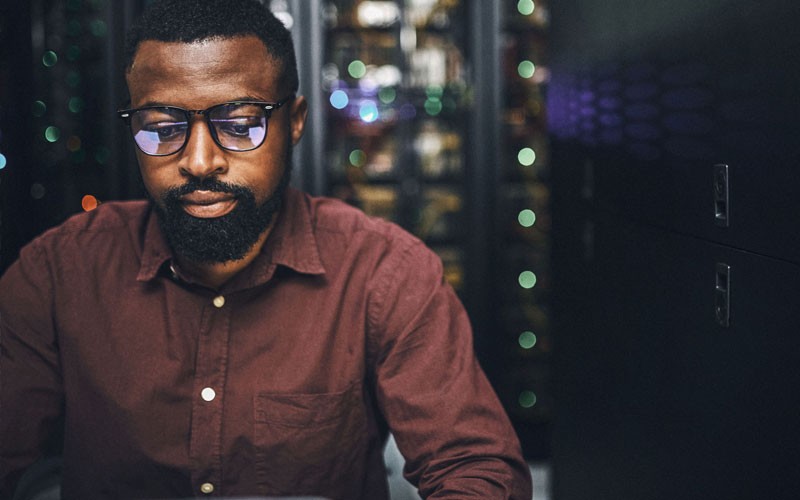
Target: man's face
214 203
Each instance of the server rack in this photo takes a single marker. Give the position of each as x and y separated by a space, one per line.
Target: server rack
431 114
64 149
677 271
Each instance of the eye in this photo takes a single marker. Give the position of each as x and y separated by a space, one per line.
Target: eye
239 126
166 130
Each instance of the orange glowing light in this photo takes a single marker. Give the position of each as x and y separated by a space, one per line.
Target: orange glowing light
74 143
89 203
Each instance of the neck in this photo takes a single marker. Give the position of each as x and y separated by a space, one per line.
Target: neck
216 274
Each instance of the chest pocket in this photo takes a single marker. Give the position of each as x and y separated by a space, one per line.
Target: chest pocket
306 443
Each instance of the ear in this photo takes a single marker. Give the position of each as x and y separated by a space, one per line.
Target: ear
297 117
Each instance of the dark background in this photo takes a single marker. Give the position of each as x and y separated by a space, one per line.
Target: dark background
656 398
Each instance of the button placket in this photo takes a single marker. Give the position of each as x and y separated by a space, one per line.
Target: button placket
210 373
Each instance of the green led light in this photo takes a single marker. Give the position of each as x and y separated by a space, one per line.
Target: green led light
387 95
527 218
358 158
102 155
76 104
49 58
433 106
527 399
526 7
526 157
527 280
73 78
74 28
39 108
527 340
434 91
357 69
526 69
73 53
52 134
98 28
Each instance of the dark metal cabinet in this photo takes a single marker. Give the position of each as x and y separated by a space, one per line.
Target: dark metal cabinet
664 92
676 347
661 401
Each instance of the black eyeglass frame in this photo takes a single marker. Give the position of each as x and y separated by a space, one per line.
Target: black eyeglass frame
268 107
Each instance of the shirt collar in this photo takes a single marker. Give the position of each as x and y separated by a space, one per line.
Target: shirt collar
292 243
155 250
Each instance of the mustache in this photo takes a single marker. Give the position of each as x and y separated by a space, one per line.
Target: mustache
209 184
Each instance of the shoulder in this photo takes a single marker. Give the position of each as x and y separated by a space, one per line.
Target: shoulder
111 223
370 248
393 256
110 216
333 217
84 245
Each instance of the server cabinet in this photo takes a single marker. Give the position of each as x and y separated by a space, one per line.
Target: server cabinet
431 114
62 80
663 93
677 263
662 401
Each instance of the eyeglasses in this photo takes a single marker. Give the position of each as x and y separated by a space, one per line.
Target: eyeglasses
234 126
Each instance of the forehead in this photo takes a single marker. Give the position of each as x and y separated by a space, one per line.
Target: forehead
203 73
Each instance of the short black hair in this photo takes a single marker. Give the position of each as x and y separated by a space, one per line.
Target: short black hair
196 20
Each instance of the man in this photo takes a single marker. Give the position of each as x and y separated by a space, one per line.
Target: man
232 336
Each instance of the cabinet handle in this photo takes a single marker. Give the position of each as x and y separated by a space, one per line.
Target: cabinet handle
721 196
722 298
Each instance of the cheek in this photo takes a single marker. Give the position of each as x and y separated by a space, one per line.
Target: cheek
267 170
153 177
150 187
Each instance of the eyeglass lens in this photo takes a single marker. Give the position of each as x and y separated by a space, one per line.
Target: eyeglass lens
163 131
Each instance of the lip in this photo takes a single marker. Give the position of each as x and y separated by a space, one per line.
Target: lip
208 204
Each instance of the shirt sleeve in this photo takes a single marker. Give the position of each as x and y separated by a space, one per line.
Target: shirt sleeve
30 380
449 424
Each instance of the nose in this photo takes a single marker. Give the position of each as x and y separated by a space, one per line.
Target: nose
201 157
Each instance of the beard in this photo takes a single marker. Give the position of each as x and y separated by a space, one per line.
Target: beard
221 239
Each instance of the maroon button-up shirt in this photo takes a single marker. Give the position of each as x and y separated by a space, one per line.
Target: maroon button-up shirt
283 382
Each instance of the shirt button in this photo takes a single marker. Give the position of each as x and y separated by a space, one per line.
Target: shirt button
207 488
208 394
219 301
